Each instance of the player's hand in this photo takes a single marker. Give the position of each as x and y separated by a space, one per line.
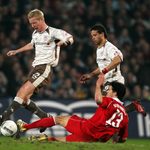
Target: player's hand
100 80
84 78
11 53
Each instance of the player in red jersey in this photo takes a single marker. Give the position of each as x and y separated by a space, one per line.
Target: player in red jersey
110 118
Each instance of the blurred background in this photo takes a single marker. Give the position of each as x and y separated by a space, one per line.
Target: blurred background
128 26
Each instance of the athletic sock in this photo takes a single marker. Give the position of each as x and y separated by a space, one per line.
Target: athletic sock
31 106
12 108
42 123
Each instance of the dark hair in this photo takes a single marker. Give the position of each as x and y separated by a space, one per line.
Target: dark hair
100 29
119 88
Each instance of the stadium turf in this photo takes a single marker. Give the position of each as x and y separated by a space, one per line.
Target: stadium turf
8 143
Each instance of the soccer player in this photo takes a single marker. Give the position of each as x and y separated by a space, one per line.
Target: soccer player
108 58
110 118
46 57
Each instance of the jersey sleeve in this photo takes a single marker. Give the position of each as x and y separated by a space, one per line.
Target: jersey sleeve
113 51
60 34
32 42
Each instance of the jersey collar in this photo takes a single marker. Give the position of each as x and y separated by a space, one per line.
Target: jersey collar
46 30
116 99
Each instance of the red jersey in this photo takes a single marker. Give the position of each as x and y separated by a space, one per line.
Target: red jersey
110 117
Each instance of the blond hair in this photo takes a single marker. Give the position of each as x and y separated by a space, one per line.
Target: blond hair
36 13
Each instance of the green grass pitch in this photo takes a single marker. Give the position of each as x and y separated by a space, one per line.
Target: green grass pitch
8 143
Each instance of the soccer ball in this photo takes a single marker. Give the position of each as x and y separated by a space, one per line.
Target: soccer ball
8 128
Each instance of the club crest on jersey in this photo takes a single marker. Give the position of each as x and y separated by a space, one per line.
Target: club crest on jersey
47 40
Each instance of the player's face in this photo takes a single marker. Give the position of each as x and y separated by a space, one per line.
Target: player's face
36 23
96 37
110 92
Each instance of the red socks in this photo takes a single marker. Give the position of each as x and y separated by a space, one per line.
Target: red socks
44 122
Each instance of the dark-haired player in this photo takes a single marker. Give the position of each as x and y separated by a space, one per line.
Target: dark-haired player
108 58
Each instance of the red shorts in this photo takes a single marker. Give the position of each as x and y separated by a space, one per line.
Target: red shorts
74 126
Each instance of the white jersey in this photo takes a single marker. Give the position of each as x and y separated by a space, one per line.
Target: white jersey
105 55
44 44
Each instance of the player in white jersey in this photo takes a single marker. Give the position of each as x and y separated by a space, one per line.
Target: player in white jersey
45 46
46 56
108 58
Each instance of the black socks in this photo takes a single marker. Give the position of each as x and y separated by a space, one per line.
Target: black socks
36 110
11 109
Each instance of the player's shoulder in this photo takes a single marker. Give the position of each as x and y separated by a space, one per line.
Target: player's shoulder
107 99
55 31
53 28
110 45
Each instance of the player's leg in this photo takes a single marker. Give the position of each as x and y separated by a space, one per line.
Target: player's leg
69 138
73 124
135 105
44 122
41 123
39 77
32 107
44 137
62 120
70 123
26 89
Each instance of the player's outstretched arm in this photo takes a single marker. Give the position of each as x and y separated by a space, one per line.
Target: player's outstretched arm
27 47
98 93
88 76
114 63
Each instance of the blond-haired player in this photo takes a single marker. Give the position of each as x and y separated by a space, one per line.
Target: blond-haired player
46 57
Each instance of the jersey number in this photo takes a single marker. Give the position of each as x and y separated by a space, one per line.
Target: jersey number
35 75
116 118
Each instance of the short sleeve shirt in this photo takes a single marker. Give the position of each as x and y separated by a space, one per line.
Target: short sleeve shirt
44 44
104 56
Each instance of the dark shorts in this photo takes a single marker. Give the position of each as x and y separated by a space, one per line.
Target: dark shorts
40 75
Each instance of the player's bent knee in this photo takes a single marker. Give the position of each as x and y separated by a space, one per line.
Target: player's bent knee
62 120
